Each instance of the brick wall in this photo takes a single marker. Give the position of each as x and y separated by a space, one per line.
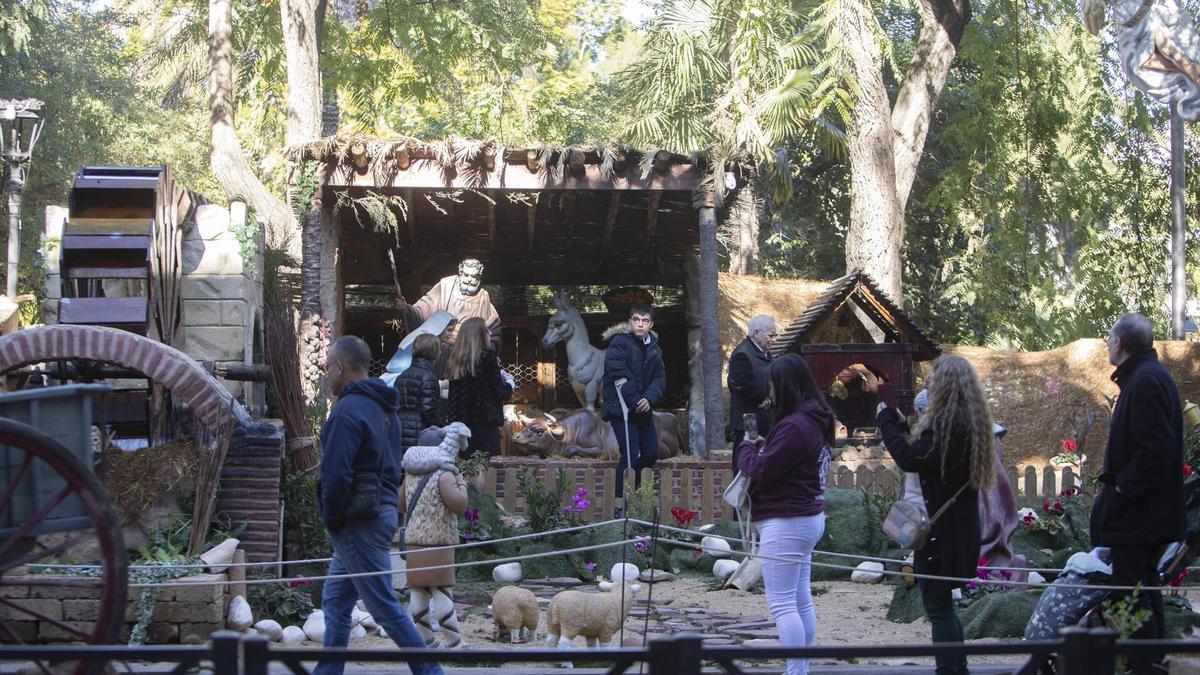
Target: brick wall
249 489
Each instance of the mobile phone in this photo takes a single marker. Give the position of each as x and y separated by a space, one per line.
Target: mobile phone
750 424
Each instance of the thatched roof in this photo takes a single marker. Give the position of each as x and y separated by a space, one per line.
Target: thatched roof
741 298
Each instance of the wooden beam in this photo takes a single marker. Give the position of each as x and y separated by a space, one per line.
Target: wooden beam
531 226
652 214
411 220
568 211
610 222
491 216
428 174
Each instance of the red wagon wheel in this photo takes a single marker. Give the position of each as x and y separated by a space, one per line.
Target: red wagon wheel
38 476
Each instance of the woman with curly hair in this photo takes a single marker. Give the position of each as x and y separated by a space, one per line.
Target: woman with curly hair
951 450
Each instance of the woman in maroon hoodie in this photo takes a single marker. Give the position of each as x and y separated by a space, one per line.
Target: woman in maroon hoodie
787 497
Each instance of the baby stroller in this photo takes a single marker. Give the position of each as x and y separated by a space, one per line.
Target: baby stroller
1061 606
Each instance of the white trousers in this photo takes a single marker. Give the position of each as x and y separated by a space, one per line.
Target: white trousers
789 596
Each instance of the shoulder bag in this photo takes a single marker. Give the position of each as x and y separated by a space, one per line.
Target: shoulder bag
907 525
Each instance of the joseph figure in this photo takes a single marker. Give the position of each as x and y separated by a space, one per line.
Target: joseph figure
461 295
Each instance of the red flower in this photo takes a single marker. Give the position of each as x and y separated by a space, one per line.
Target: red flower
1058 506
683 517
1069 445
1046 506
1187 470
1178 579
697 554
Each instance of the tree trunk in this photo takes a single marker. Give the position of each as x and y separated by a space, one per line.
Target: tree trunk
886 145
710 339
693 318
226 157
303 21
743 221
876 232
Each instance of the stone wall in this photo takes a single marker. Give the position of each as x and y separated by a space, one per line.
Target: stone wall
249 490
179 612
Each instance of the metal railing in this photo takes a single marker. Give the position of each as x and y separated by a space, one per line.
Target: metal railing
1079 651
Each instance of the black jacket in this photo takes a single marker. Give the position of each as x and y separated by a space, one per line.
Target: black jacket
476 399
640 365
953 546
420 396
1141 495
747 384
362 435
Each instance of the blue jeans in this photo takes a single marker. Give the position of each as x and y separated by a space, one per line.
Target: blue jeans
944 623
365 546
643 447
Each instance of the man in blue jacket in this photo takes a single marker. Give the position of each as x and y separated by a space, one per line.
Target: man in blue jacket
633 355
1140 505
360 476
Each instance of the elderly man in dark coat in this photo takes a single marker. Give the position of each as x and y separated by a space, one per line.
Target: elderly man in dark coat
1140 505
747 379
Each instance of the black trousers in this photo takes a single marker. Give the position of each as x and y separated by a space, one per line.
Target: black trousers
1138 564
642 447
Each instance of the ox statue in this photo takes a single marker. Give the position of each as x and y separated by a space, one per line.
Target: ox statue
585 363
582 433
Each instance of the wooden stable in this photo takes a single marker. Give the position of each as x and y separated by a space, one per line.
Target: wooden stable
853 321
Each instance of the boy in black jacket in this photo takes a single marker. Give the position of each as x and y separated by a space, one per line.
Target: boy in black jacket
633 355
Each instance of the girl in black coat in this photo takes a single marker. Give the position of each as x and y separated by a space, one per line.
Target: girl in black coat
420 395
951 450
478 387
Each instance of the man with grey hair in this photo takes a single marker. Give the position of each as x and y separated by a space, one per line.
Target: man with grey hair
358 499
463 296
1140 506
747 379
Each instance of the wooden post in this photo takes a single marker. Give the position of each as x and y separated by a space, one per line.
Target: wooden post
610 490
710 338
589 482
691 316
687 490
707 499
1031 483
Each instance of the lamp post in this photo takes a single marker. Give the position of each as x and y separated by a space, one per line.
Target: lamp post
20 127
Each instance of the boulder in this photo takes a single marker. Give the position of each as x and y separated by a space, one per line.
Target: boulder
716 547
867 572
270 628
747 576
723 569
652 575
314 626
357 616
217 558
624 572
508 573
239 617
292 636
358 632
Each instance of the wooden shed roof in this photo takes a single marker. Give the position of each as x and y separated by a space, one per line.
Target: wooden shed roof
859 288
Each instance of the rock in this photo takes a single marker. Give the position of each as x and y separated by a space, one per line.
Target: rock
240 617
270 628
249 632
370 623
514 522
723 569
1036 578
292 635
509 573
623 572
314 626
707 528
361 605
358 632
561 582
747 576
716 547
867 572
652 575
357 616
382 632
218 557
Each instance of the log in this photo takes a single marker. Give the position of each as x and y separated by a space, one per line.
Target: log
575 162
662 162
403 159
489 159
358 156
531 161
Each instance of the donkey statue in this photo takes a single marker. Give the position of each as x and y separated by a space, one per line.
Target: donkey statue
585 363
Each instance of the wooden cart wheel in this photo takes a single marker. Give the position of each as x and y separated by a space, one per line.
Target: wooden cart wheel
99 608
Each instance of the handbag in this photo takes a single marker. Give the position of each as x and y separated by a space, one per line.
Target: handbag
907 525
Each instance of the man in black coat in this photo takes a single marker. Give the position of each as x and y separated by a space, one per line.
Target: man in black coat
634 356
747 379
1140 505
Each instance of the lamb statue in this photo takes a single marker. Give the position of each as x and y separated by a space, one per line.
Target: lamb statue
515 610
432 497
595 616
1159 48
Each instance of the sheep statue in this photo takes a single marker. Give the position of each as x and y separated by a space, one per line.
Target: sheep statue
595 616
515 609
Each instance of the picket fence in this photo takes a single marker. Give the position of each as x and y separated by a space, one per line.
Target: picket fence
698 486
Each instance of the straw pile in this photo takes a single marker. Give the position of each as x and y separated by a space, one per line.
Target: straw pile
138 481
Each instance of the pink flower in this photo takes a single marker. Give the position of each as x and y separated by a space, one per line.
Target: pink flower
696 554
591 566
971 586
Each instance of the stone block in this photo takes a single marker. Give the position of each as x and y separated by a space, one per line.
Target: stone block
219 256
191 252
233 313
53 286
211 287
201 313
189 612
48 608
51 632
212 221
209 592
215 343
49 311
189 632
84 610
25 631
14 592
64 592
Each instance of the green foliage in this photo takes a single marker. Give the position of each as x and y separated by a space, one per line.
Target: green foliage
247 239
848 529
473 465
304 533
1123 614
544 504
998 614
289 602
642 499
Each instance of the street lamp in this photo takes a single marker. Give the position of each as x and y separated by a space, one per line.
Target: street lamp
20 127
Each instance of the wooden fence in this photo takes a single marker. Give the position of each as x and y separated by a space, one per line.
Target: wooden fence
698 485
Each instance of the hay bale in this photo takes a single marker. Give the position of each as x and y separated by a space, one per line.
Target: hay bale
1037 395
162 474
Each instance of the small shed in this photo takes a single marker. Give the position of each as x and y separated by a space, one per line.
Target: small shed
854 321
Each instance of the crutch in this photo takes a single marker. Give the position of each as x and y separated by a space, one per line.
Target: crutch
628 453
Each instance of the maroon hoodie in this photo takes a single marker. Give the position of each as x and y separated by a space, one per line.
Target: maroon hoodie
788 474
